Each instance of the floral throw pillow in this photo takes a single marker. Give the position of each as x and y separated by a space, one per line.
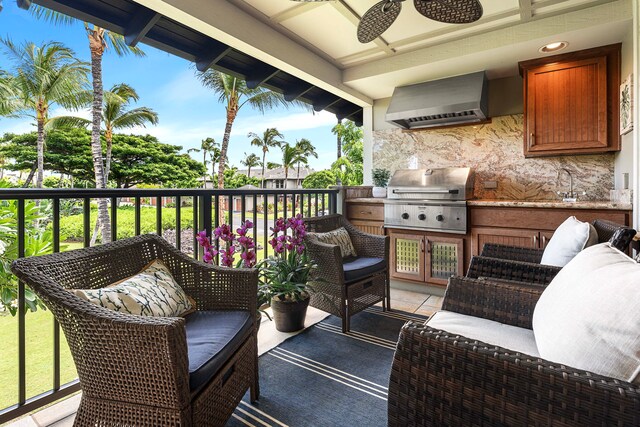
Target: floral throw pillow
152 292
339 236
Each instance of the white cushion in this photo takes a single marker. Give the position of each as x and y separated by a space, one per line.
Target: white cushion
152 292
570 237
519 340
339 236
589 315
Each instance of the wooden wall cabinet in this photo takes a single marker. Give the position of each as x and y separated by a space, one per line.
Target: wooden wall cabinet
571 102
424 257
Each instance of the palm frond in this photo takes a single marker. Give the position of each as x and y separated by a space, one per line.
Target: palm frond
117 42
51 16
66 122
137 117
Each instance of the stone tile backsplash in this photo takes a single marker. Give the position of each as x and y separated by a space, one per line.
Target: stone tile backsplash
495 152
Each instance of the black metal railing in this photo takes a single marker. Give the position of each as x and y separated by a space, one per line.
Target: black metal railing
210 208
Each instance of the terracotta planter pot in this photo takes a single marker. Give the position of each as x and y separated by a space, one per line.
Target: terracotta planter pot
289 316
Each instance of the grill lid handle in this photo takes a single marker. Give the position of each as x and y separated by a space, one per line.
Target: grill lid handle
426 191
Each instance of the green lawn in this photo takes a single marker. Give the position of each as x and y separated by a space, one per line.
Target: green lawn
39 356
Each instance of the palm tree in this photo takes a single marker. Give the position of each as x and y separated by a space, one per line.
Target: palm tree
45 76
290 157
250 161
235 94
208 147
116 116
269 139
99 40
305 149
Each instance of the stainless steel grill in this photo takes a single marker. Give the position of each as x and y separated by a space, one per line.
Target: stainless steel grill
429 199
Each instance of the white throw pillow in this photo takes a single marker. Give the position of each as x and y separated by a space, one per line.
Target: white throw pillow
589 315
339 236
570 237
152 292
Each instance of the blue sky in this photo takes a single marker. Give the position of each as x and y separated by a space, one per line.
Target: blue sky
187 111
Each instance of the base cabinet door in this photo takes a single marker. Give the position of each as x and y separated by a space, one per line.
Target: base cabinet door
444 259
407 256
503 236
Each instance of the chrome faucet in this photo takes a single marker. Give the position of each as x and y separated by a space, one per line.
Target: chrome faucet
569 196
570 193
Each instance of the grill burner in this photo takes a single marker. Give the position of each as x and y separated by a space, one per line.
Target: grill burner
429 199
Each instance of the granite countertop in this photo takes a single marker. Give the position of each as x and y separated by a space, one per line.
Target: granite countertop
595 204
602 204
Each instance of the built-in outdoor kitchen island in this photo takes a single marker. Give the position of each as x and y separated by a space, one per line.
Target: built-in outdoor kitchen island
414 262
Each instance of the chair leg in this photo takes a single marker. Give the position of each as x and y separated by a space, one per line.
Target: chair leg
388 279
345 324
255 388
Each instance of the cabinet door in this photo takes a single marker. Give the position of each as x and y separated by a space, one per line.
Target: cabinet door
407 256
566 107
445 258
503 236
545 236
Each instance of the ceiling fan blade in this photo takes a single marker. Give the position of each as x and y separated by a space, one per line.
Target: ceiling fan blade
450 11
376 20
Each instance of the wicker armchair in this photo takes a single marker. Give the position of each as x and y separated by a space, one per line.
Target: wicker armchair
135 370
523 264
347 294
443 379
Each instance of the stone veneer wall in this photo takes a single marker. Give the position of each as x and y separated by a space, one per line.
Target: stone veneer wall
495 152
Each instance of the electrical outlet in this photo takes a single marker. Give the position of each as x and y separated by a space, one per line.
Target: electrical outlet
490 185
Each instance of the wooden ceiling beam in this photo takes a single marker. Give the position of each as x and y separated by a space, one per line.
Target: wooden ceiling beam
214 53
260 75
294 11
140 24
295 92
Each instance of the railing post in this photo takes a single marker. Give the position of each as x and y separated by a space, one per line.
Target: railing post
204 216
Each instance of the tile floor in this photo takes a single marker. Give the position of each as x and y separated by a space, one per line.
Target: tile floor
62 413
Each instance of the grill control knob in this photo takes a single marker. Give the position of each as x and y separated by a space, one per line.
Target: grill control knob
439 218
405 216
422 217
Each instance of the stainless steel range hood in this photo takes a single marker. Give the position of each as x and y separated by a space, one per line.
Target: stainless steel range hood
450 101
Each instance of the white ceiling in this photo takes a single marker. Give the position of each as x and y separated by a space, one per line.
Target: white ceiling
417 49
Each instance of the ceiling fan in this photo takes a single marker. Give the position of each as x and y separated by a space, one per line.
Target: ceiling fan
381 15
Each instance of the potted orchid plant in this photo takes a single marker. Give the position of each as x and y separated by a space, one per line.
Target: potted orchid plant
228 246
285 274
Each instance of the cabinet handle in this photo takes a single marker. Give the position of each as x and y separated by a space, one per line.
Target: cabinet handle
532 137
422 245
535 241
365 212
544 241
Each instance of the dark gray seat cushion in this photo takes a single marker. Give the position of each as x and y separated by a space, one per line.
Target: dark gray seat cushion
212 338
357 268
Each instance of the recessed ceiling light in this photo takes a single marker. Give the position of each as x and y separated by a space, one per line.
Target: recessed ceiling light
553 47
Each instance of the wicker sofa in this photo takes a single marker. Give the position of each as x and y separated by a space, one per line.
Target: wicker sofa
344 287
152 371
523 264
444 379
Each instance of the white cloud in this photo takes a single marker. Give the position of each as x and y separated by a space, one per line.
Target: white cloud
183 88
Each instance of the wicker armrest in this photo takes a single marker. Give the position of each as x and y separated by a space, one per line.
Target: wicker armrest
481 266
368 245
514 253
440 379
146 356
327 258
503 301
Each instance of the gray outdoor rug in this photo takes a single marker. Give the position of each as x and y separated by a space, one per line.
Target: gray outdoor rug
323 377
